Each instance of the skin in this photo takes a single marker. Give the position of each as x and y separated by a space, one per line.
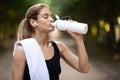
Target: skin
42 26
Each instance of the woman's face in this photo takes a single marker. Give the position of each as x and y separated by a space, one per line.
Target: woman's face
45 20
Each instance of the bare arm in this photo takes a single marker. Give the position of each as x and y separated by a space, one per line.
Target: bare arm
79 62
18 64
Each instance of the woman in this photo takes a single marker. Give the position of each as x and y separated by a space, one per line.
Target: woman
36 27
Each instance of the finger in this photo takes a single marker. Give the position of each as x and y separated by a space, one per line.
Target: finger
71 33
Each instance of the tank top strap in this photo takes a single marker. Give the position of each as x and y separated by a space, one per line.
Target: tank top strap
55 47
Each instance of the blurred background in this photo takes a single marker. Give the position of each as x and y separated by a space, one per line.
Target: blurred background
102 40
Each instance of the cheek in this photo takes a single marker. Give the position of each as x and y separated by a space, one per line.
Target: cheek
42 22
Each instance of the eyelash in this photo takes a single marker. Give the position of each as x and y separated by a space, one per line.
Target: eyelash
45 17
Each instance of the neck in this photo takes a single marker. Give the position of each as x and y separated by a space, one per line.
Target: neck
42 38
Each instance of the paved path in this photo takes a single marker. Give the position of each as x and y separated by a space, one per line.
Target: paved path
5 66
99 70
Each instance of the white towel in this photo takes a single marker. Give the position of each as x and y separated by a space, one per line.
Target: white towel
35 59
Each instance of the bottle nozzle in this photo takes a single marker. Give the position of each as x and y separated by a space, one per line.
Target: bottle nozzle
57 17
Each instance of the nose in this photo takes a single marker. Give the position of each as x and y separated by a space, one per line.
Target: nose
51 19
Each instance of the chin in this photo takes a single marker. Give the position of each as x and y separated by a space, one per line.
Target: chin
52 28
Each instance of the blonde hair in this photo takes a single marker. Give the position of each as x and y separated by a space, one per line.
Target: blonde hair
25 29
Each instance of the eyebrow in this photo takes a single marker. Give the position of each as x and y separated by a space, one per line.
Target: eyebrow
47 14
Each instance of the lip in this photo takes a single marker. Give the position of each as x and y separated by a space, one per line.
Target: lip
51 26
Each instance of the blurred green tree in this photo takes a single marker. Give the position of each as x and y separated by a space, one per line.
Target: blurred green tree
93 11
11 14
89 11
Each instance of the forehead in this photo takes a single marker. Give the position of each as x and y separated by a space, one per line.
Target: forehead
45 10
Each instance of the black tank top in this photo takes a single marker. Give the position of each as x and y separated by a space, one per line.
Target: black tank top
53 65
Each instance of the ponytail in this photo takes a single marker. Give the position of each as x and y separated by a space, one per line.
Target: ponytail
23 30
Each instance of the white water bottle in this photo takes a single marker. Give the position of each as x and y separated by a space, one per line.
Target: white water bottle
72 26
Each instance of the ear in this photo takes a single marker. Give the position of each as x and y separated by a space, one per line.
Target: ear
33 23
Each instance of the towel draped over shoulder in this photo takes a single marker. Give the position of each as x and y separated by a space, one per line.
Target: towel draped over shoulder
35 59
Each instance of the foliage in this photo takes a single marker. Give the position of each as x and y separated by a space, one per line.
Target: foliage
93 11
12 13
89 11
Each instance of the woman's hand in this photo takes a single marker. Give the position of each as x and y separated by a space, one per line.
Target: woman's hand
76 36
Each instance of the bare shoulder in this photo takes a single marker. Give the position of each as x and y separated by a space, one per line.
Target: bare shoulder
18 63
62 47
19 54
60 44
